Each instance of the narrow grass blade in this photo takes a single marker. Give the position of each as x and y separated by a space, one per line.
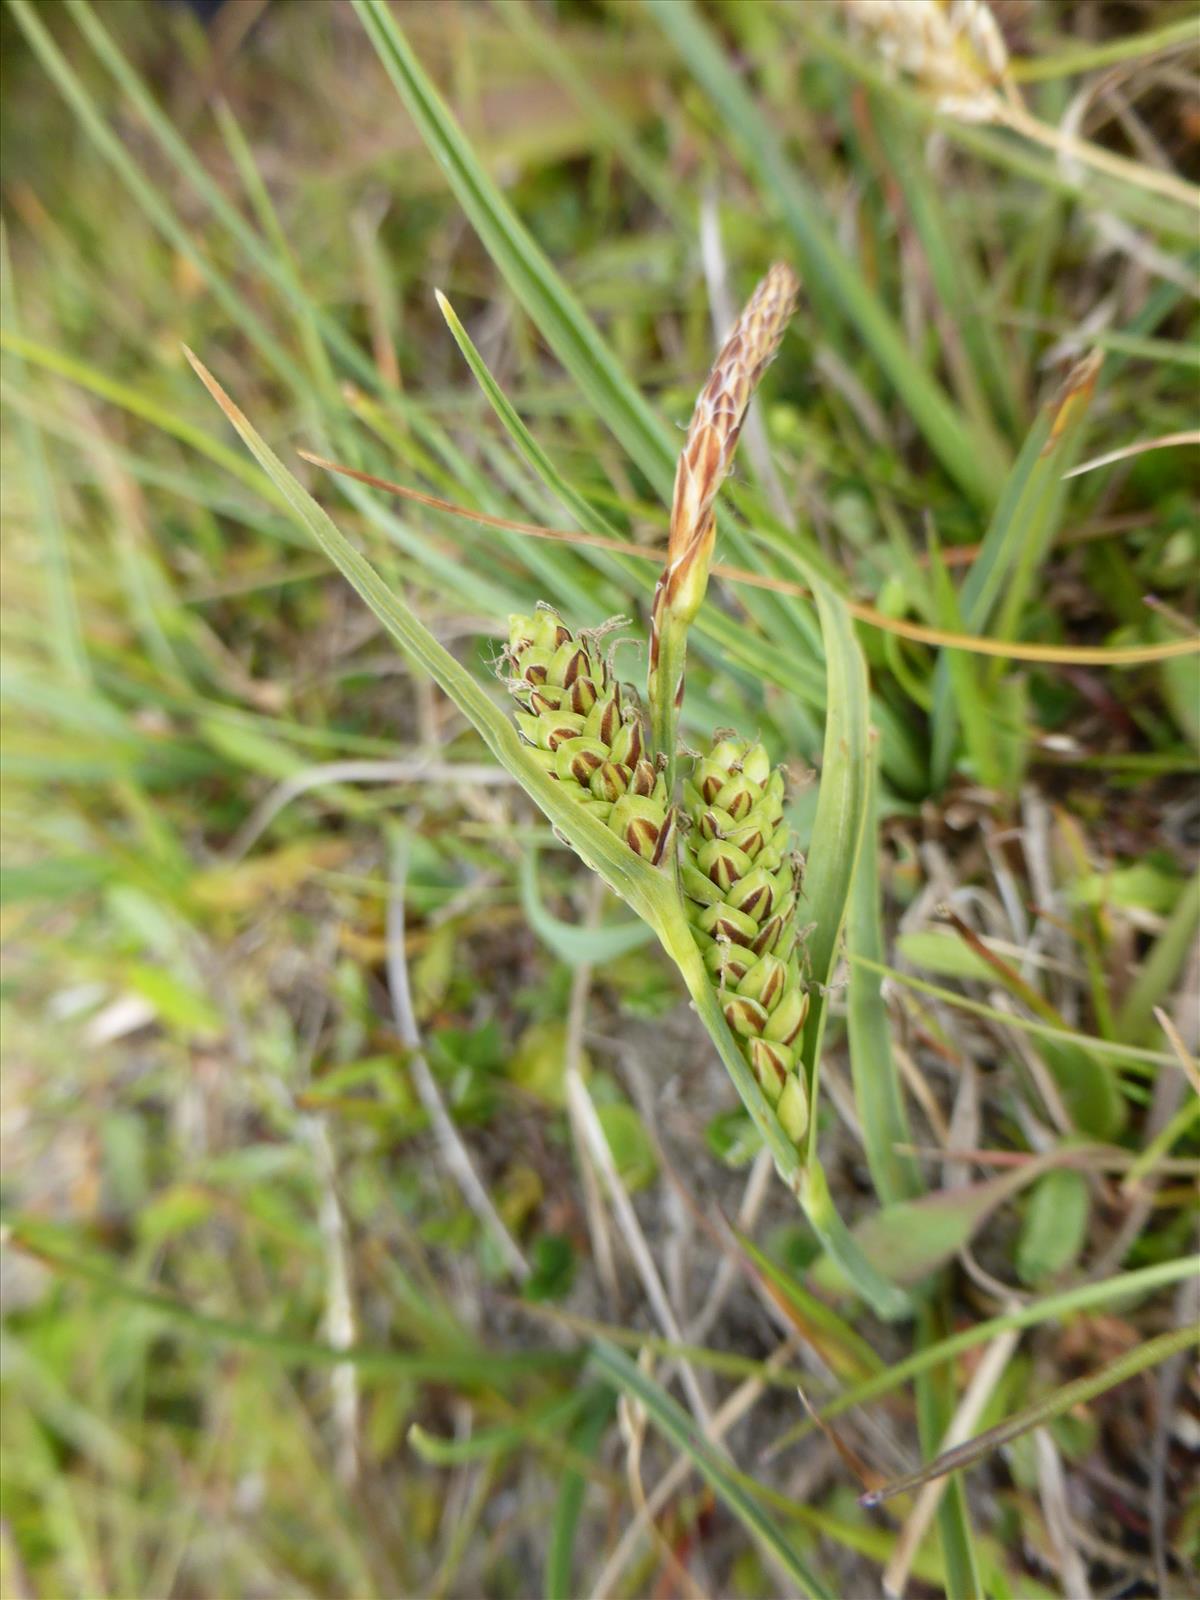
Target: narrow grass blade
560 1551
619 133
147 197
1023 525
65 632
137 405
488 1443
1052 1308
997 147
672 1421
272 262
1089 58
1162 962
577 946
1135 1056
624 872
935 1410
1065 1398
840 822
962 295
492 1368
878 1093
532 278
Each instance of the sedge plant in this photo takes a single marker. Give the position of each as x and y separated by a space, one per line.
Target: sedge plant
708 863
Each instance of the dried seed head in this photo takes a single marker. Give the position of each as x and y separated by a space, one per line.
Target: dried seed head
953 48
712 435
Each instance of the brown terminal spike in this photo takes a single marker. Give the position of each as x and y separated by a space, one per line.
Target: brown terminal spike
704 463
713 433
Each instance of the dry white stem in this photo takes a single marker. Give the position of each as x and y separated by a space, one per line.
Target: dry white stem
450 1145
593 1201
987 1375
1052 1491
918 1085
1022 1043
1163 442
728 1272
631 1420
339 1306
589 1132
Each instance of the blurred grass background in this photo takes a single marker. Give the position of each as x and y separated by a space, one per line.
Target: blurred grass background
222 784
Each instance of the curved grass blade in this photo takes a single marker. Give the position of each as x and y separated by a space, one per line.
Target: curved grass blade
545 1422
1135 1056
938 1352
936 1402
235 306
273 263
670 1419
137 405
577 946
65 630
840 821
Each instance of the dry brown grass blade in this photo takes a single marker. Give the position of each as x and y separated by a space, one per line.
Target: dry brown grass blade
1163 442
1047 654
1186 1059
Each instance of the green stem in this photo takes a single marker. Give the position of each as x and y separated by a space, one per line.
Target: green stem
662 689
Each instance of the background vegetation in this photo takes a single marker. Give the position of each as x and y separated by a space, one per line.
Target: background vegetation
379 1218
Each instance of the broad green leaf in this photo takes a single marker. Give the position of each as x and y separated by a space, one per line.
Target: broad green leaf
1055 1226
630 1144
913 1238
1090 1089
942 953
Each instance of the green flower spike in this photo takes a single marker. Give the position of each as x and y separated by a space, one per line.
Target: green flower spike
586 729
742 883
